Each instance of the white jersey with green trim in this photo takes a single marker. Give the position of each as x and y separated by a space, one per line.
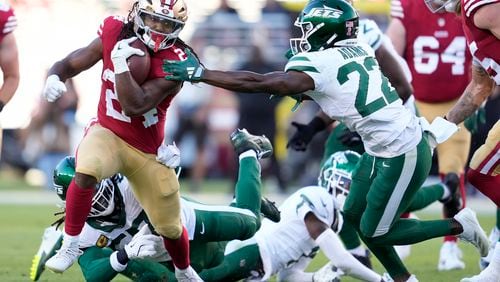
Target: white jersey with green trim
283 244
117 230
350 88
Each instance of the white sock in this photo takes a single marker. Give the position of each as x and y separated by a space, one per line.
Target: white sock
69 240
359 251
446 192
248 153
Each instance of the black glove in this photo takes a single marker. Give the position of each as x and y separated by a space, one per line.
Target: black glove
350 138
305 133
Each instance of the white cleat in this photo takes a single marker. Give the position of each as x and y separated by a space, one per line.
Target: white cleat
66 256
51 241
328 273
489 274
494 237
450 257
473 233
187 275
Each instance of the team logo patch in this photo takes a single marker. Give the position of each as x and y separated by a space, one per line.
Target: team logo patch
102 241
325 12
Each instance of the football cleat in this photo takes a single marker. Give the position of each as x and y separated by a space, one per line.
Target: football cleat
328 273
472 231
365 260
65 256
51 241
269 210
187 275
450 257
494 237
453 203
243 141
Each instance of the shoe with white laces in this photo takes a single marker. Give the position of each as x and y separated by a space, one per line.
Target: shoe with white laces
472 231
51 241
187 275
65 256
494 237
450 257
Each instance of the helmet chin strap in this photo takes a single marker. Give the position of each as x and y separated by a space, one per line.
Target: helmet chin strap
157 44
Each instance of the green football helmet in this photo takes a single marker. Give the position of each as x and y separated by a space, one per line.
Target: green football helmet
324 23
336 174
103 200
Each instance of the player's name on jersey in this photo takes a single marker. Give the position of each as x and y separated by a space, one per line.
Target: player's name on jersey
350 52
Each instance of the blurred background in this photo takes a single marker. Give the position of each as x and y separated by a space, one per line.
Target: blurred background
227 34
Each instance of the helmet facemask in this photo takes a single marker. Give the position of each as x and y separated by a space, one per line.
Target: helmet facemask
439 6
158 24
103 202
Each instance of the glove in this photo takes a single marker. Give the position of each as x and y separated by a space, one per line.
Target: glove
327 273
301 137
121 52
350 138
169 155
189 69
476 120
54 88
143 244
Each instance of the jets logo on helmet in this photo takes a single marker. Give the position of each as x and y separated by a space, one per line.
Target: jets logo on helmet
325 12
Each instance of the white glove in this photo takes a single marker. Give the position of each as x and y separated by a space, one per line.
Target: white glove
143 244
54 88
121 52
169 155
327 273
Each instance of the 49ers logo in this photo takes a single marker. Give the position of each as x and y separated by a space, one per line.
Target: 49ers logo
325 12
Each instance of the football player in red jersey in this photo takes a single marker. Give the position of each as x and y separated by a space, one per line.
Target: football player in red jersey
481 25
434 45
129 129
9 63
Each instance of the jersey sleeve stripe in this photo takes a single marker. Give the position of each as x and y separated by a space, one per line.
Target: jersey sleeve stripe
376 43
472 5
10 25
397 9
300 63
303 69
299 58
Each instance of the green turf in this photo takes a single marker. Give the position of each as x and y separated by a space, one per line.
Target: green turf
21 228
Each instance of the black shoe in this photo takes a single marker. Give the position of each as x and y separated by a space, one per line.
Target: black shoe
269 209
453 203
365 260
243 141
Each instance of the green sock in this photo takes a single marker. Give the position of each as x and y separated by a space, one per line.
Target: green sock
248 186
411 231
425 196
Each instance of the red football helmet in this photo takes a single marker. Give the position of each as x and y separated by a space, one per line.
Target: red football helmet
158 23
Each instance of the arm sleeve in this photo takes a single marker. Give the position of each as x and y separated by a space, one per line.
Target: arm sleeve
333 249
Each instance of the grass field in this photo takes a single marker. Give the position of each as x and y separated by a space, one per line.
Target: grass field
22 225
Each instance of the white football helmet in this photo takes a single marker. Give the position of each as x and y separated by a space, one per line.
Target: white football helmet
437 6
158 23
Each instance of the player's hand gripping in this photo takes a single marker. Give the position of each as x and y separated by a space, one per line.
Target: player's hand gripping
143 244
302 137
121 52
189 69
169 155
54 88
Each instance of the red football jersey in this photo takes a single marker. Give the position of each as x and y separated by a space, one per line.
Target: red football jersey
8 21
483 45
145 132
436 51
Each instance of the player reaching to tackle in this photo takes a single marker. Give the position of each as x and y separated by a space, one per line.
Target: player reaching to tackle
342 76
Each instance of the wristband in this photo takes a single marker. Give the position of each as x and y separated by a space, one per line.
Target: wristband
114 260
120 65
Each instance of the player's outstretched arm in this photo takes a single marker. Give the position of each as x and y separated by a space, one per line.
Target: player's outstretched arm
479 89
334 250
277 83
486 17
9 65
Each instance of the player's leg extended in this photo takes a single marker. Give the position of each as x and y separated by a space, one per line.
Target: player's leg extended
353 211
484 172
247 190
237 265
156 188
427 195
333 144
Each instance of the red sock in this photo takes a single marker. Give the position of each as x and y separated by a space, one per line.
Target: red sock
178 249
78 204
487 184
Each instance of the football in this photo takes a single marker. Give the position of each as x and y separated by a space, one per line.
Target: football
139 65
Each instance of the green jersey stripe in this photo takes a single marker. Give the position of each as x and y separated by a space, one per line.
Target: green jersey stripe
302 68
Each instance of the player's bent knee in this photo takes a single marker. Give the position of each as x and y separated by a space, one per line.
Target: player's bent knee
170 231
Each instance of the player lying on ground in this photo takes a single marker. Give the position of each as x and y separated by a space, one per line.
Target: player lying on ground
108 242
